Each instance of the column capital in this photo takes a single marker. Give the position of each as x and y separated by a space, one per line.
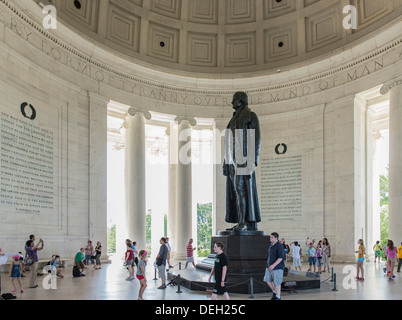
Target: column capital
191 121
390 84
133 111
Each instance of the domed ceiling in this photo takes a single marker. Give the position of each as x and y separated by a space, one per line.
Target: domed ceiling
223 37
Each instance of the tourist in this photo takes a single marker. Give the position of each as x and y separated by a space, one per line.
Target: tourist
133 249
319 257
377 251
295 249
326 254
89 253
129 261
15 273
141 275
190 253
161 262
79 261
22 264
98 253
399 258
312 241
169 250
311 254
32 251
391 259
360 260
135 252
275 266
220 271
31 237
286 248
55 263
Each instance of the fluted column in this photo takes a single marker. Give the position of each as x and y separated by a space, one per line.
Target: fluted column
184 200
172 180
135 176
395 159
219 204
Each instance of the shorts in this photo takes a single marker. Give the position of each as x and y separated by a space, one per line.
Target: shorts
162 271
218 290
140 277
190 259
296 262
378 253
274 276
392 260
130 263
312 261
360 259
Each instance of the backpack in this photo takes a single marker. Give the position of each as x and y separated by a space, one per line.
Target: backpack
8 296
76 272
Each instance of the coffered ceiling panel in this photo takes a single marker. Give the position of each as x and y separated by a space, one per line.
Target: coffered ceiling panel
123 28
224 36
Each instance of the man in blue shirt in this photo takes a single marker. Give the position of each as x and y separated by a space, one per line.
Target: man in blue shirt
275 266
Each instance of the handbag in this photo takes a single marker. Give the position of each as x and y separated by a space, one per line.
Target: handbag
29 261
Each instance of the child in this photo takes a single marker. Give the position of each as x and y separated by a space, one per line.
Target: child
360 259
391 259
377 251
296 255
399 258
311 256
141 273
129 262
319 257
220 270
15 273
55 262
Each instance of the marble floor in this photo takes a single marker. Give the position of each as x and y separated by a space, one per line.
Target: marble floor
109 284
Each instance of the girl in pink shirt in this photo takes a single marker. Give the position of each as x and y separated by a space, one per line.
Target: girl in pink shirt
391 259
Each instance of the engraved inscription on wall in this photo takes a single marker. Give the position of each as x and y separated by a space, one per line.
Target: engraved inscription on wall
281 189
27 166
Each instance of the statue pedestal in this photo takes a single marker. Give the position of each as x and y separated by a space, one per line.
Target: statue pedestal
247 255
247 251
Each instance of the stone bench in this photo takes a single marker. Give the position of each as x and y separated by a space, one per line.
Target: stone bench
41 264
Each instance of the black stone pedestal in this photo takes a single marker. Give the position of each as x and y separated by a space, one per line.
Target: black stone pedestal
247 252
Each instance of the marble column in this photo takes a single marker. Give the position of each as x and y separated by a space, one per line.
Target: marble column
394 88
97 229
219 200
172 179
135 176
184 200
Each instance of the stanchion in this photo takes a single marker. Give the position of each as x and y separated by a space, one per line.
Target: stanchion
179 265
178 279
155 276
252 288
335 289
332 274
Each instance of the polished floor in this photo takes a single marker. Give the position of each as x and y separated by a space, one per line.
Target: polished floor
109 284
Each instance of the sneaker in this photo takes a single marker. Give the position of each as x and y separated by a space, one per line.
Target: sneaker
22 291
34 287
162 287
276 298
273 296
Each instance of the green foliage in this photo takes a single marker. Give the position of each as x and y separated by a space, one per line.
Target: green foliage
165 225
111 243
384 189
204 229
148 220
384 199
